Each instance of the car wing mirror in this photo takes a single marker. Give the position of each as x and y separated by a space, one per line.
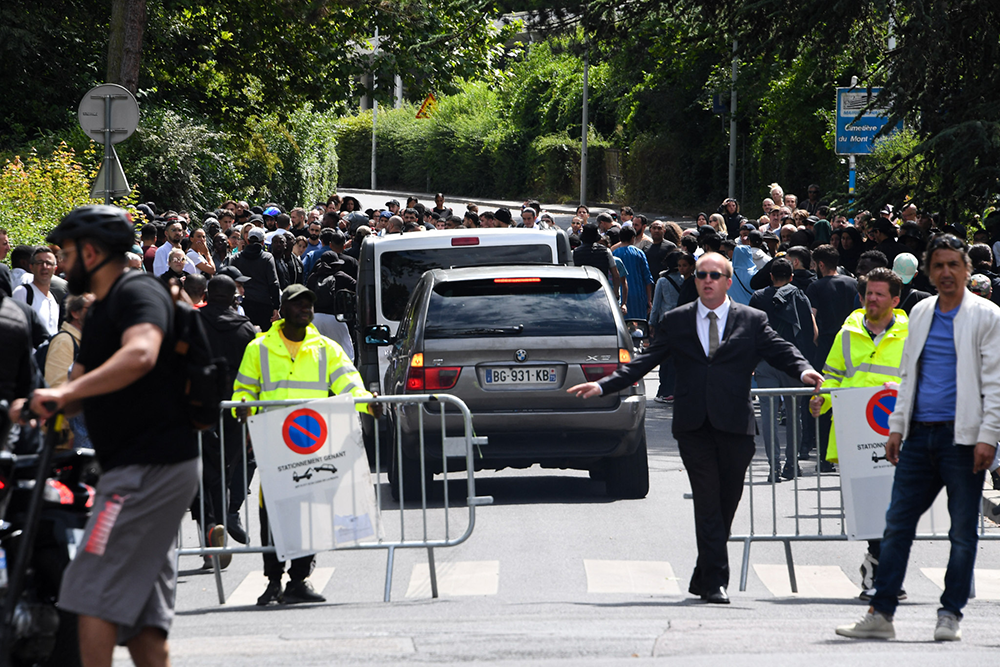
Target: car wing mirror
379 334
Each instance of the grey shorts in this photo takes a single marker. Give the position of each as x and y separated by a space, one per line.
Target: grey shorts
125 569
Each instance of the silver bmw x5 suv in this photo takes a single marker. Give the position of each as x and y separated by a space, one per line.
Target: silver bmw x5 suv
509 341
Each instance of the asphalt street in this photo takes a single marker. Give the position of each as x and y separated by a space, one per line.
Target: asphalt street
555 573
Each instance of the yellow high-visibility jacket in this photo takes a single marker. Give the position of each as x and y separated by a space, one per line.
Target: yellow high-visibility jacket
320 368
854 361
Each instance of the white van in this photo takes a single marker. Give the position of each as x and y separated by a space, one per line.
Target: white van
391 266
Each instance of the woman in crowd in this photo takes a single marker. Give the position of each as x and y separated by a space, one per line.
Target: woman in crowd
200 255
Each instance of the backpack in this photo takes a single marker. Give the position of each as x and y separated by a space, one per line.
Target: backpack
42 351
204 377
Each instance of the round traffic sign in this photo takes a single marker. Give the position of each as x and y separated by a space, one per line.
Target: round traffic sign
880 406
124 112
304 431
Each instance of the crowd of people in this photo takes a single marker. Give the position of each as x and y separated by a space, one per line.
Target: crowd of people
835 292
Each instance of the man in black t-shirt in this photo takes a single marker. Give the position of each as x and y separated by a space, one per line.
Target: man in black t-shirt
123 580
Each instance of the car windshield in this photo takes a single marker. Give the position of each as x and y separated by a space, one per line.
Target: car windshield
519 307
401 270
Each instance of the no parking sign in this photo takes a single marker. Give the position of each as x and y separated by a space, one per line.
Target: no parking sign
314 476
861 420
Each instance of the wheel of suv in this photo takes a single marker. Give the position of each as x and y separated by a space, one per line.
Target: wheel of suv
410 472
628 476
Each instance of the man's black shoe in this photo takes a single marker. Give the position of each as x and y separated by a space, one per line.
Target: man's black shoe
826 466
271 594
773 477
717 596
301 591
791 472
235 528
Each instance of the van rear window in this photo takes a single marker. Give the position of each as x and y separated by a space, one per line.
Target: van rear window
401 270
544 307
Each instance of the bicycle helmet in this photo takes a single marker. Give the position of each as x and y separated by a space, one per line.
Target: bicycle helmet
107 224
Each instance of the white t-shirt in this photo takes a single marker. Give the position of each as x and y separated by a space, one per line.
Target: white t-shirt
46 306
160 263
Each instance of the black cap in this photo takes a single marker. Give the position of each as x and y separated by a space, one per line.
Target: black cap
233 273
295 291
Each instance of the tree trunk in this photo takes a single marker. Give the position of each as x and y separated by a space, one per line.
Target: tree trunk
128 21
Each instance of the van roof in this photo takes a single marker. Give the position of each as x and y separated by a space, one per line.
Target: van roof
444 237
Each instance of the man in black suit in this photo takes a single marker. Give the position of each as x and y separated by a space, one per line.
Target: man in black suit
715 344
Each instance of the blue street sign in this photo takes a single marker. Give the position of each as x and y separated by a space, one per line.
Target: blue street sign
857 137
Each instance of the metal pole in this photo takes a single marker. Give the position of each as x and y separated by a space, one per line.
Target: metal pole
374 109
732 128
108 162
583 132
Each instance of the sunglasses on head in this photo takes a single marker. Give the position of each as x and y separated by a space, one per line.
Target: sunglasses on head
714 275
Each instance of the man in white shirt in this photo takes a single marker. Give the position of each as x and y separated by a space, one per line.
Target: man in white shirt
173 232
37 293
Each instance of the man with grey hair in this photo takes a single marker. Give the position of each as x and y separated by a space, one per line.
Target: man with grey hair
950 429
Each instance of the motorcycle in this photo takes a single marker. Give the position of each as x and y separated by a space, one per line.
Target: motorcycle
45 502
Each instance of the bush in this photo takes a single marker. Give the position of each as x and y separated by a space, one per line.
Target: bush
555 167
36 192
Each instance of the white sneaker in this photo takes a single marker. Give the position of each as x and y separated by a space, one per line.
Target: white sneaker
873 626
947 629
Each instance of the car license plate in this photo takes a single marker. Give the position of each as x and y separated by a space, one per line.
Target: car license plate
515 376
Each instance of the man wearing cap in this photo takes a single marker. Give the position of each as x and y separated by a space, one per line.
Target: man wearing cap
228 334
905 266
260 301
293 361
393 207
883 232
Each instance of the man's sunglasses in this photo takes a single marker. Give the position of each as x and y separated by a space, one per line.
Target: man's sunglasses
714 275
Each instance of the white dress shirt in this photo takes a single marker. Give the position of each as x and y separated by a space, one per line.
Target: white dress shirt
702 323
44 304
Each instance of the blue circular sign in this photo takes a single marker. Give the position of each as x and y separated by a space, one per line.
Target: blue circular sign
304 431
879 408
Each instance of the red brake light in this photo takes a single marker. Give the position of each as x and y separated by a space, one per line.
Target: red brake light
437 378
465 240
65 495
517 280
594 372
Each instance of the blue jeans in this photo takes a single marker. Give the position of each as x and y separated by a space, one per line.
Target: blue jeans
929 460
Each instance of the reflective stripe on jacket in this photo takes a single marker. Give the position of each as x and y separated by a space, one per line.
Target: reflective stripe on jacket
854 361
320 368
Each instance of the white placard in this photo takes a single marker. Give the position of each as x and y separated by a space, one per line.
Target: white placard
315 477
860 418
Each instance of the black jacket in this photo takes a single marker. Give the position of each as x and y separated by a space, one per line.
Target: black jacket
228 333
716 389
258 265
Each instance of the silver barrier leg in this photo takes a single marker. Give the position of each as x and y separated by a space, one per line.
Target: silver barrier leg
746 564
791 567
433 570
391 553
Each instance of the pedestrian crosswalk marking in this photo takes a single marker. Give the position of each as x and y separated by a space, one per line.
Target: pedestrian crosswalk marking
637 577
255 582
987 582
456 578
813 581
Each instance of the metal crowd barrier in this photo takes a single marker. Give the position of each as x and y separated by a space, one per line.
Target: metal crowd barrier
800 528
436 529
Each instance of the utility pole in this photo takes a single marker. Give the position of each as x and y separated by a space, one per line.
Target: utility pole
374 104
583 133
732 128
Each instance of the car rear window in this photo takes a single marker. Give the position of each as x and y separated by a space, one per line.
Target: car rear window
402 269
538 307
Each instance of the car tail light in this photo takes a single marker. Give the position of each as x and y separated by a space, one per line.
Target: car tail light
594 372
624 356
465 240
432 379
57 492
517 280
